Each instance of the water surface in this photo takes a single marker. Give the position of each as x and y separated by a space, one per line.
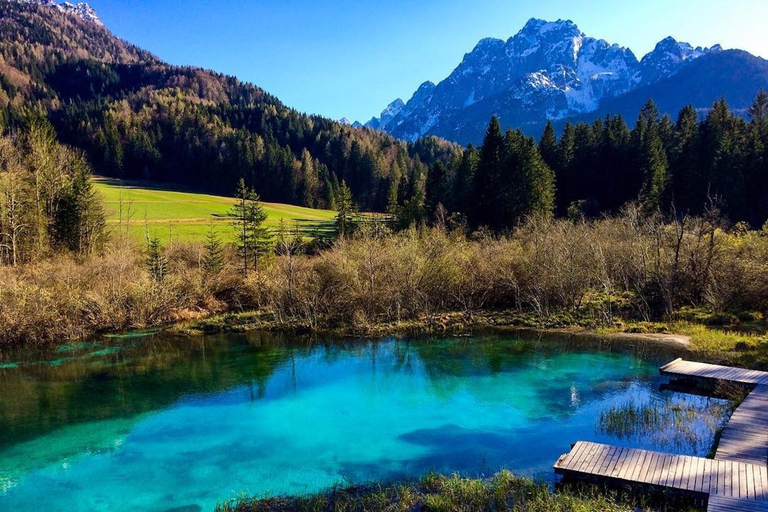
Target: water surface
152 423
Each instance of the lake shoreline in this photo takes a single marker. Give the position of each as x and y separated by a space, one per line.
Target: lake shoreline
454 324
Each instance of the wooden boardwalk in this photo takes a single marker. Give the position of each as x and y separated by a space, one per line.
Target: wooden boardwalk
691 370
723 504
745 437
682 473
736 480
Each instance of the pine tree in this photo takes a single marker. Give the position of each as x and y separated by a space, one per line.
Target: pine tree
758 112
437 187
538 182
548 147
565 172
463 185
488 176
213 259
756 168
346 211
157 263
723 136
654 165
689 184
253 238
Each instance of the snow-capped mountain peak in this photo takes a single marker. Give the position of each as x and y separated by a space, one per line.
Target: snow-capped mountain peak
548 70
668 56
81 10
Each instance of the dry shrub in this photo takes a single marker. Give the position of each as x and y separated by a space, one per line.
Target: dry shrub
627 266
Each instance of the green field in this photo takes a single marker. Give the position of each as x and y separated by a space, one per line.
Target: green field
187 216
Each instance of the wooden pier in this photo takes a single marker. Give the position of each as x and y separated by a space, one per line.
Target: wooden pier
682 473
690 370
736 480
745 437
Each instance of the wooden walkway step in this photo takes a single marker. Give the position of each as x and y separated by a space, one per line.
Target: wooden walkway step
682 473
690 369
723 504
745 437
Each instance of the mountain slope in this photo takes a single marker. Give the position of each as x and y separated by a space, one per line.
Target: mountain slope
137 117
734 74
552 71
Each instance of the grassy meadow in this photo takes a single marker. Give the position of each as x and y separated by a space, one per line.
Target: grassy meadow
187 216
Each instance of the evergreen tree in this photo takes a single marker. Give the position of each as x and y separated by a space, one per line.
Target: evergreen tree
463 185
488 177
724 144
548 147
437 187
756 168
346 209
537 183
157 263
213 259
565 174
654 166
253 238
689 184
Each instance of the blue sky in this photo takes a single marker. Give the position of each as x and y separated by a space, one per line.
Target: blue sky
350 58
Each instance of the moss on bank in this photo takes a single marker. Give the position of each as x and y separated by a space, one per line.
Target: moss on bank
437 493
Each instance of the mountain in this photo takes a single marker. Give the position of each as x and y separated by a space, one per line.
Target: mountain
137 117
82 10
553 71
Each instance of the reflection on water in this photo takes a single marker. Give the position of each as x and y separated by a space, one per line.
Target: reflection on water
156 423
671 423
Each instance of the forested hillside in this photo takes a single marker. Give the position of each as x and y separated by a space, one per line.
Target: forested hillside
137 117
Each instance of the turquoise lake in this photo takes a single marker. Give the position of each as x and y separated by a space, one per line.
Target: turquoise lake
155 423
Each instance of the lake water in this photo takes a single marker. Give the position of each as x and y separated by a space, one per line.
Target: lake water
149 423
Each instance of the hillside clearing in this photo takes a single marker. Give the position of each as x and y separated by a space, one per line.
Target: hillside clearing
140 207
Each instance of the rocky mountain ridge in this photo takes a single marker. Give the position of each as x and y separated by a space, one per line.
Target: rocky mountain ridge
547 71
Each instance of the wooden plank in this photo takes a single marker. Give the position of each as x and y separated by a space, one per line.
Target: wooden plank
584 461
681 474
690 369
645 475
722 478
711 477
695 482
627 466
614 461
724 504
718 477
639 466
657 471
607 460
575 455
618 463
666 470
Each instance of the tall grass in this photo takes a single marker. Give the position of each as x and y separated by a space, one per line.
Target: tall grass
438 493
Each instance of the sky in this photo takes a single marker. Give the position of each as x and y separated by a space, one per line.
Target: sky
350 58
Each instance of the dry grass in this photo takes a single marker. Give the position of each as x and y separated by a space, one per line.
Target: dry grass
620 274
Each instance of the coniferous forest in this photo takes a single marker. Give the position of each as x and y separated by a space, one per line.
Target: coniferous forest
136 117
684 166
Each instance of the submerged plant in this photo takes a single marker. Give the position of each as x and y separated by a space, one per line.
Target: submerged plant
679 424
